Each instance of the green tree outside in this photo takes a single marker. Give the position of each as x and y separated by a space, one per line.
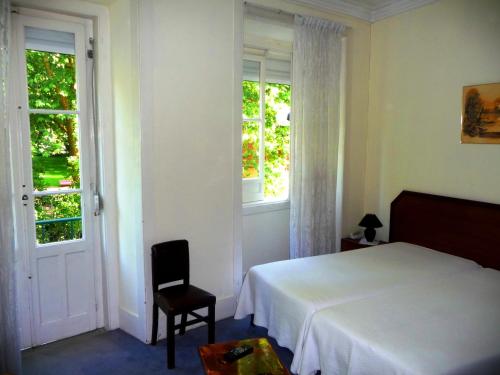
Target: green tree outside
276 136
54 144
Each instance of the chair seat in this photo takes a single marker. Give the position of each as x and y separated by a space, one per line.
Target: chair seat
183 298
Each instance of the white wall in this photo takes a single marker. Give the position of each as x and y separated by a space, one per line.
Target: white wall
266 237
189 93
188 101
420 62
124 18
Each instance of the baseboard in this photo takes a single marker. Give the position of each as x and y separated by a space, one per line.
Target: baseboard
130 323
225 307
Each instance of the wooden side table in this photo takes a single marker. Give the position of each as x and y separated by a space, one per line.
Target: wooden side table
347 244
263 360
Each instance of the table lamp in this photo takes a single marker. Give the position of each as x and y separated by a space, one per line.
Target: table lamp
370 222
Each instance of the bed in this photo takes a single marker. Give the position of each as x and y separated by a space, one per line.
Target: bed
445 326
284 296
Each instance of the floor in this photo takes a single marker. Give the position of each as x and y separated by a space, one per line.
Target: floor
116 352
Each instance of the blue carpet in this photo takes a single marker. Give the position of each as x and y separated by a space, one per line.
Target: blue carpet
116 352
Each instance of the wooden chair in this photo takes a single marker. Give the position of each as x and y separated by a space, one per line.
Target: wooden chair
170 262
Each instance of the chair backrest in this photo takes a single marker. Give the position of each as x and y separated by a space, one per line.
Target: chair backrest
170 262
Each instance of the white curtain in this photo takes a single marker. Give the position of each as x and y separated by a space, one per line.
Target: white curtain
10 359
315 135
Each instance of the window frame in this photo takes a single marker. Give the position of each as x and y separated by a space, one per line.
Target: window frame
253 187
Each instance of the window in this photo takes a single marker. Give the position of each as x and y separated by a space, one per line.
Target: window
265 129
52 68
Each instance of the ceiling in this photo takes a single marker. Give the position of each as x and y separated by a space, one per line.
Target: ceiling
368 10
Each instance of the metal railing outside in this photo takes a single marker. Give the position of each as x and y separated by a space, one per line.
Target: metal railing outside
43 224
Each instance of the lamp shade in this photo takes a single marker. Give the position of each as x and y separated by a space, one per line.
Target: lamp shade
370 221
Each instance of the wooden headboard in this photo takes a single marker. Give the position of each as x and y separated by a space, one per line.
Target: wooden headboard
465 228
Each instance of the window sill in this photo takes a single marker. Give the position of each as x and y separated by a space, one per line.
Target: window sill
255 208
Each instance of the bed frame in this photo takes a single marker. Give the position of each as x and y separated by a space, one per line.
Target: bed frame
461 227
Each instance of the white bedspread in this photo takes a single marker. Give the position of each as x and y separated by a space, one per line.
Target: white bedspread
284 295
450 326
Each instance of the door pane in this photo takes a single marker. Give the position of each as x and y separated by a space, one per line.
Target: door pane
50 66
58 218
251 89
250 144
277 141
55 152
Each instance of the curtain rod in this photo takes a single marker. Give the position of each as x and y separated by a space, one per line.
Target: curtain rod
280 15
277 15
269 9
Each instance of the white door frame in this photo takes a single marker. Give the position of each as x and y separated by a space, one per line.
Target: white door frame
89 246
108 260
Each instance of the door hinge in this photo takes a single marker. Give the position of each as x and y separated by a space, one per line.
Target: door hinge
90 51
97 204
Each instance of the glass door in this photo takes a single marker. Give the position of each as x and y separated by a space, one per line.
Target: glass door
57 186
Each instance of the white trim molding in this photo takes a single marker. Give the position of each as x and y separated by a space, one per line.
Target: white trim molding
261 207
130 323
237 181
146 109
365 12
109 236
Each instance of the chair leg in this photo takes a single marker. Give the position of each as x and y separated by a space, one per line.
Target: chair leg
170 341
211 324
154 331
182 330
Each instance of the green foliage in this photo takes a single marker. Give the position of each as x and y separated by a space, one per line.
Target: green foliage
74 169
276 141
58 206
54 143
251 96
276 137
51 80
51 85
250 130
250 149
47 135
49 170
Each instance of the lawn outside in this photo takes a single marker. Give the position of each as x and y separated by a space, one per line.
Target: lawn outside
53 169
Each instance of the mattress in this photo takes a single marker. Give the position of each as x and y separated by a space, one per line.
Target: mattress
447 326
284 295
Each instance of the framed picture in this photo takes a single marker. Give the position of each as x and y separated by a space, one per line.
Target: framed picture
481 114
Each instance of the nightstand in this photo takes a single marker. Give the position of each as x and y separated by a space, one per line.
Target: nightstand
351 244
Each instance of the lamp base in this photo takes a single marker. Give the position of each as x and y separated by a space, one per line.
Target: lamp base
370 234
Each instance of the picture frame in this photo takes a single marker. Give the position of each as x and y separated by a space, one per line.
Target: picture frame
481 114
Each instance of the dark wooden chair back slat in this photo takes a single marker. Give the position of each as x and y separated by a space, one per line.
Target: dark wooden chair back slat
170 262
